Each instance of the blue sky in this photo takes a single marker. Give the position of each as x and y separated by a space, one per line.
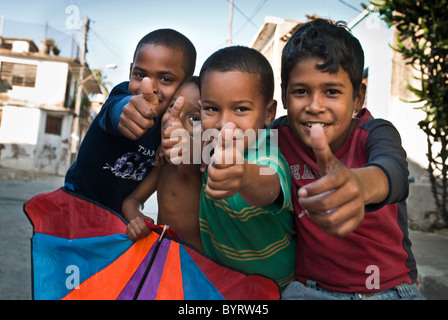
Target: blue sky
117 26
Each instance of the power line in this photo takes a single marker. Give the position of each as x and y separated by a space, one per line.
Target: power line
106 44
244 15
350 6
229 41
35 32
260 5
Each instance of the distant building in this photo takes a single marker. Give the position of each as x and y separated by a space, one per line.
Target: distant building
387 76
37 95
270 40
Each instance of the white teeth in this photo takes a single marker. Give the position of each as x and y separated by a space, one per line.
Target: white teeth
310 124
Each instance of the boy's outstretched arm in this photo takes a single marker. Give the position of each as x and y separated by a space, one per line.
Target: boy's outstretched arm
138 115
132 206
337 200
229 173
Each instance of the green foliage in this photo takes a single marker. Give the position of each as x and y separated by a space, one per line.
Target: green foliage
51 44
102 82
423 42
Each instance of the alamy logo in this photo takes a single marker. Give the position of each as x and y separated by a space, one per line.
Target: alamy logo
72 281
373 281
237 142
373 19
73 21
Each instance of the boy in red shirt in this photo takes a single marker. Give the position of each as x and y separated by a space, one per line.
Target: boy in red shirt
349 174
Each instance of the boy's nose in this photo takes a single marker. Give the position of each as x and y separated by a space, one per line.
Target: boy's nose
316 105
223 119
155 87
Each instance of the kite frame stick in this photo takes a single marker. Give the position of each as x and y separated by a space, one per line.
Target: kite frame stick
148 267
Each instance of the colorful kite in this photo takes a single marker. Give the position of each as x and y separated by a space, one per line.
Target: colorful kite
80 251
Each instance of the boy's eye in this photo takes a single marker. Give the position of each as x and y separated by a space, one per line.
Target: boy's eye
194 118
241 109
139 75
210 109
166 80
333 92
299 91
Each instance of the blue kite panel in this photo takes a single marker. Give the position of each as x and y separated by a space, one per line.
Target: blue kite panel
64 263
196 284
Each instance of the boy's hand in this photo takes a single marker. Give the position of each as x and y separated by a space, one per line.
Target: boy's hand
226 171
173 132
137 228
138 115
335 201
159 161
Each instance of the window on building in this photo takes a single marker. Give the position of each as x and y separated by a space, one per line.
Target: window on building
18 74
53 125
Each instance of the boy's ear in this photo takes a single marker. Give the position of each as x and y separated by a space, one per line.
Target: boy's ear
360 96
271 110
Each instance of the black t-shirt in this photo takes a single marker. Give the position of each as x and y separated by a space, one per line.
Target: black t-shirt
109 166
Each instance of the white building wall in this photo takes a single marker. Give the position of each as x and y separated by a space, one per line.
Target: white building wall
53 151
51 80
28 147
22 131
376 37
19 135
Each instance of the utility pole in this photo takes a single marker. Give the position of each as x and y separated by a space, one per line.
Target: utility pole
2 20
75 128
229 40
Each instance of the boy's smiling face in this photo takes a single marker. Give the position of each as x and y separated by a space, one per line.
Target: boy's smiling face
191 110
234 96
314 97
163 66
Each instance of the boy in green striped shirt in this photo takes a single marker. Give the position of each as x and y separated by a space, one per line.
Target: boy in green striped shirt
246 216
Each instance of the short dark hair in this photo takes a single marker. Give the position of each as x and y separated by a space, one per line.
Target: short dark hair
174 40
329 41
192 79
243 59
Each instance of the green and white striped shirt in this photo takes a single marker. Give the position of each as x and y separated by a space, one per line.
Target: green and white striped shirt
258 240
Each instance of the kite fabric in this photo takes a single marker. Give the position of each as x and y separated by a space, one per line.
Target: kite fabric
80 252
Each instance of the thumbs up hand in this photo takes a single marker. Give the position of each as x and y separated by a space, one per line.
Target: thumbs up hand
173 133
138 115
173 119
226 171
335 201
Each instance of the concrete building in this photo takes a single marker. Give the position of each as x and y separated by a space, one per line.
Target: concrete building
36 106
270 40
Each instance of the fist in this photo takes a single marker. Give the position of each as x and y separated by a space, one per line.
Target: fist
335 201
138 115
226 171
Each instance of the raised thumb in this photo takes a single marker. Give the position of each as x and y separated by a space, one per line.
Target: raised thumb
324 156
148 92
